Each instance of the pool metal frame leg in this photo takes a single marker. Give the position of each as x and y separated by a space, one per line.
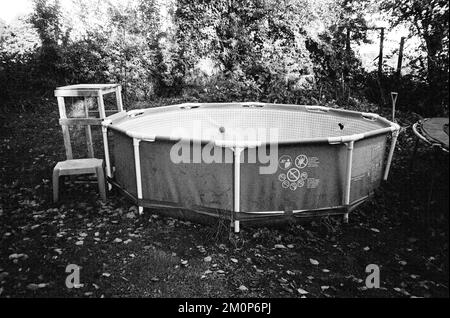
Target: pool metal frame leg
348 177
137 165
395 134
107 159
237 184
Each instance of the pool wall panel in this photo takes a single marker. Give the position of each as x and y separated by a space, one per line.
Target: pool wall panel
124 169
185 184
367 166
307 177
314 178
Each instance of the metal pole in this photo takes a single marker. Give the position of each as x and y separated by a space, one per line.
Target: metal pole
391 153
137 165
348 178
107 159
237 184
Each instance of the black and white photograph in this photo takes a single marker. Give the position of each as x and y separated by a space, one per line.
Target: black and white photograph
223 156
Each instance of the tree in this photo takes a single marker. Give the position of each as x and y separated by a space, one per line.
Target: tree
429 20
46 19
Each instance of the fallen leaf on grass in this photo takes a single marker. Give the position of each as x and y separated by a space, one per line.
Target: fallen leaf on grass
302 291
33 286
18 256
243 288
130 215
290 272
208 259
313 261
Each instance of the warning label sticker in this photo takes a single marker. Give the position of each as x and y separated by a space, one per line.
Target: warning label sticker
313 162
285 162
294 175
301 161
312 183
376 172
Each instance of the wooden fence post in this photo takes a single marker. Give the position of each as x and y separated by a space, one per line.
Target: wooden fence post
400 58
380 68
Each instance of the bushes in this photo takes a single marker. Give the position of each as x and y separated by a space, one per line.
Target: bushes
257 50
126 50
414 94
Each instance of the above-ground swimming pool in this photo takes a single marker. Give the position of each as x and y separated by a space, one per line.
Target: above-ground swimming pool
248 162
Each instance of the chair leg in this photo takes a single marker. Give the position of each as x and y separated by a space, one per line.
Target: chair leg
101 183
55 185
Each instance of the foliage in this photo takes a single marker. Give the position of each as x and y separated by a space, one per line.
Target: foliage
126 49
267 47
429 20
17 43
294 51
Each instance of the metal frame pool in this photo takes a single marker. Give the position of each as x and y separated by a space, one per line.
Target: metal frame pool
343 168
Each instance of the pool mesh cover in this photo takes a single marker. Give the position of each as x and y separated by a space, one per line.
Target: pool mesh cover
230 123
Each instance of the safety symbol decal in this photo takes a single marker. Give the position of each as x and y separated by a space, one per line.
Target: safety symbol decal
295 175
285 162
301 161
